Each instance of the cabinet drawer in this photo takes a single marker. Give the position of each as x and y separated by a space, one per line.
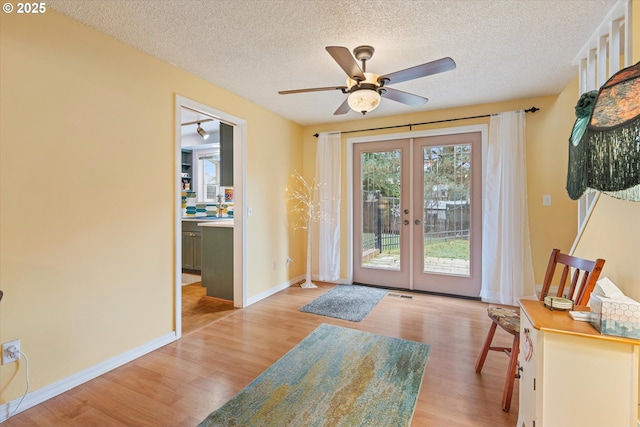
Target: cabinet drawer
191 226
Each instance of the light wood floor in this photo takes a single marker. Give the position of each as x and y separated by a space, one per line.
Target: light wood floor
181 383
199 310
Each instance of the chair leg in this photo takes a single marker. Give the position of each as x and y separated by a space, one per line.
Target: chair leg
511 374
485 348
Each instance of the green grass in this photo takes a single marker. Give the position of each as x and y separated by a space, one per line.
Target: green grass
454 249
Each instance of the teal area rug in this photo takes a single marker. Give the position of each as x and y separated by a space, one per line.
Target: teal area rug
348 302
335 377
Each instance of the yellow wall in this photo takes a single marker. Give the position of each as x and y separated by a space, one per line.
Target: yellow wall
547 132
87 185
613 231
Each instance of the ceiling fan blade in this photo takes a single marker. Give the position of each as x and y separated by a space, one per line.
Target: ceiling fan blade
313 89
343 108
433 67
404 97
346 61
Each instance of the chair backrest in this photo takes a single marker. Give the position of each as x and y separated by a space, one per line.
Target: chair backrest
583 279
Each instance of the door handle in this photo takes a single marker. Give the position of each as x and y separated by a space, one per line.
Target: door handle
416 222
406 211
405 222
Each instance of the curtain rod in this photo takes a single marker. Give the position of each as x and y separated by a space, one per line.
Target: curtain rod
410 125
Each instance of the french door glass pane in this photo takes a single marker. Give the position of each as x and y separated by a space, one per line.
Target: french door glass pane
447 208
381 222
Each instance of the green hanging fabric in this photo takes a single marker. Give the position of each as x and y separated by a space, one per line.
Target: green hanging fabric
604 155
577 170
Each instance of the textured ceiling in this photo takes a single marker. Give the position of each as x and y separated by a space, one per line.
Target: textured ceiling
504 49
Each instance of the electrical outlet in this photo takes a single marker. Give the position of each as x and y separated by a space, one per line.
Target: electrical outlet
10 351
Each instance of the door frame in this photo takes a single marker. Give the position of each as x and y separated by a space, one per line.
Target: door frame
239 200
482 128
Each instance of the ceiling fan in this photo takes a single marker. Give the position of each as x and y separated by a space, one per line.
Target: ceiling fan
366 89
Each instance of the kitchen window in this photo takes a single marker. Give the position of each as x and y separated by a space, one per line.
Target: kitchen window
207 169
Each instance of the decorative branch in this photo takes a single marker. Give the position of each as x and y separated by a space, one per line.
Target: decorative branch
306 211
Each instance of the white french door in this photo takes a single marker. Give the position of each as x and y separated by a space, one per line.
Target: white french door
417 213
381 215
447 208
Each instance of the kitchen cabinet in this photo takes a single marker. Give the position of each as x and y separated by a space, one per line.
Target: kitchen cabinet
571 375
226 155
217 261
187 170
191 246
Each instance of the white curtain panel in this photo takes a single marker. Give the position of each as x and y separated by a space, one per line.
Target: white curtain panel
328 172
507 270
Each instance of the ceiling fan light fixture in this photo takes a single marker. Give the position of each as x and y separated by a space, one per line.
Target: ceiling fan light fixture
364 100
203 133
366 89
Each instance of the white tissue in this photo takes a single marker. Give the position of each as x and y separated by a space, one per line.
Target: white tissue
605 288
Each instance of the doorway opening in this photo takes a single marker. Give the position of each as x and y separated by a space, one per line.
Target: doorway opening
199 173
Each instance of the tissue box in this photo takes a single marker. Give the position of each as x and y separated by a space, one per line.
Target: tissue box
611 317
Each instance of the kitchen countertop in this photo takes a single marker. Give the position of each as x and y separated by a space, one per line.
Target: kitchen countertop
206 218
222 222
210 221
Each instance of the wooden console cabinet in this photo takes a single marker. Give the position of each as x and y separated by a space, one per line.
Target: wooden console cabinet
571 375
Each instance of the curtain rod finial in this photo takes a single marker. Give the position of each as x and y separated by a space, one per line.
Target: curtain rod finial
532 110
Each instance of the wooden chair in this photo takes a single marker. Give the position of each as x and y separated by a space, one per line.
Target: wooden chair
583 280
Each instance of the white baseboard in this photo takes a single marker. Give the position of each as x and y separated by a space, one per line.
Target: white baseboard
59 387
340 281
274 290
285 285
